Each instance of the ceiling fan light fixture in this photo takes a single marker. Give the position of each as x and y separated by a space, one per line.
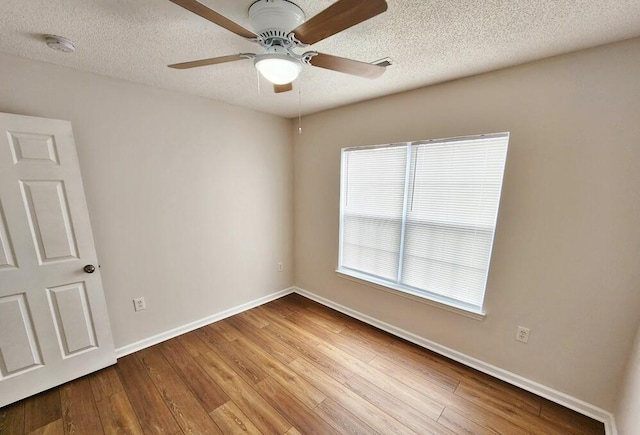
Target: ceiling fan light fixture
279 69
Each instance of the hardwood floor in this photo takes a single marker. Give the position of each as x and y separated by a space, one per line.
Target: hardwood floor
289 367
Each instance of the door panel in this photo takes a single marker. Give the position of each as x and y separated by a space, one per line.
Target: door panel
48 214
33 147
70 309
54 325
19 349
7 257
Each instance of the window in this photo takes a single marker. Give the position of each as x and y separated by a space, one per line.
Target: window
420 217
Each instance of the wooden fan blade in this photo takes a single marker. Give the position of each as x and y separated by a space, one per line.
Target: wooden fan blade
205 62
282 88
339 16
214 17
347 66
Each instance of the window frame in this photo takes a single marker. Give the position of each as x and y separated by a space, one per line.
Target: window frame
413 293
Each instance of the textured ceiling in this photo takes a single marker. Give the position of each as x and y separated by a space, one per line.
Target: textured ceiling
429 42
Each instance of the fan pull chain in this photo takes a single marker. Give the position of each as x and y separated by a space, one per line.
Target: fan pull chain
258 77
299 109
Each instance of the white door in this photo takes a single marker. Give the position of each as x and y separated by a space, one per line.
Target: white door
53 315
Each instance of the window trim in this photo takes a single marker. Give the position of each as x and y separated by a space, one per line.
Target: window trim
428 298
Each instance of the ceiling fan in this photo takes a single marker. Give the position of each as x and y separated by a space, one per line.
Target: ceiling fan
280 27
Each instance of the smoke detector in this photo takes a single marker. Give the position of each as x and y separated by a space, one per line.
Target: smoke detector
60 44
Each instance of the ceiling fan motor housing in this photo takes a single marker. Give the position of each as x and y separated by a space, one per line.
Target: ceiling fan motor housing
279 27
275 18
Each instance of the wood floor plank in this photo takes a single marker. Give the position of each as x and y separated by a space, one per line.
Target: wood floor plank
261 413
117 415
403 352
402 349
153 360
341 419
490 417
302 418
53 428
233 356
361 408
368 337
79 413
422 367
231 420
507 411
486 419
42 409
208 393
305 345
461 425
346 322
105 383
328 313
295 301
409 416
254 319
224 329
495 390
280 308
439 392
569 420
270 312
12 419
350 346
296 385
193 343
275 348
186 409
300 302
410 396
298 344
492 387
522 399
153 415
317 319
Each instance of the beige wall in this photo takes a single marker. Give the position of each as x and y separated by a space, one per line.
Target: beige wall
628 410
567 247
190 200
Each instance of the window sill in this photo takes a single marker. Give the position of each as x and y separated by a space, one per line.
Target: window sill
361 279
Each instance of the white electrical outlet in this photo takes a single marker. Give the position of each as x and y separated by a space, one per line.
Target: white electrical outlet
139 304
280 267
523 334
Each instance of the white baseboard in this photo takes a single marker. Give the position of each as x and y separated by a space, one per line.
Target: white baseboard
526 384
163 336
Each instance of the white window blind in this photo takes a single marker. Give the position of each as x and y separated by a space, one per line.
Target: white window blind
421 216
